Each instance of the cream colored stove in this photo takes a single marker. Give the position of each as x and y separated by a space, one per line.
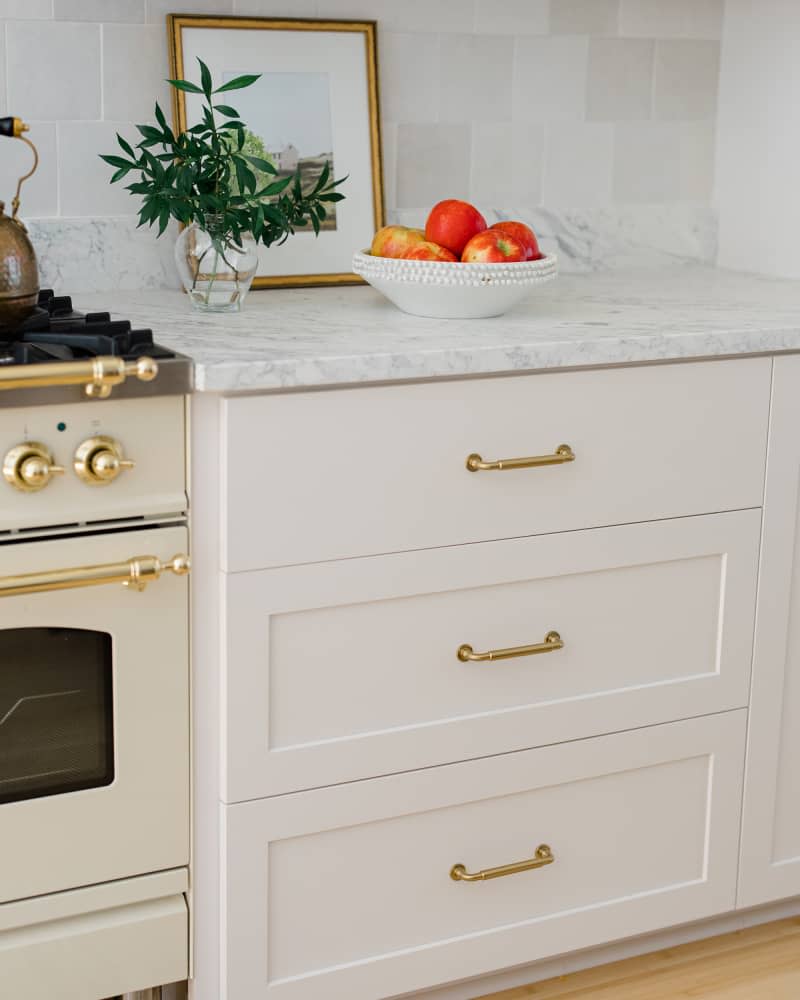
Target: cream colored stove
94 701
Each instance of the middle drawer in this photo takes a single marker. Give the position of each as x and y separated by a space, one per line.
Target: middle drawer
346 670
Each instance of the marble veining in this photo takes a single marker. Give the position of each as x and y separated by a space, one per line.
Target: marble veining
287 339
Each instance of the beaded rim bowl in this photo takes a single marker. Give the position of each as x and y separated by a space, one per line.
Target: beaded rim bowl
439 272
451 290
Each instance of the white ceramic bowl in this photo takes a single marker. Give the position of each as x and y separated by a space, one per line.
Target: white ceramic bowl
454 291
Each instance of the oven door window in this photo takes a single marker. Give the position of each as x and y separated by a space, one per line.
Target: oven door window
56 711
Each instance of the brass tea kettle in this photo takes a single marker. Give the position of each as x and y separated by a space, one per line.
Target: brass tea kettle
19 274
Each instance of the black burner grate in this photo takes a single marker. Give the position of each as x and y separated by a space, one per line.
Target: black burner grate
56 332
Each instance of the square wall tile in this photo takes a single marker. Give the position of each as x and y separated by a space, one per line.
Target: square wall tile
584 17
276 8
647 162
409 94
53 70
527 164
432 163
475 80
405 15
511 17
549 80
135 69
26 10
125 11
85 178
672 18
389 162
697 143
686 80
620 81
578 165
156 10
3 69
39 196
492 161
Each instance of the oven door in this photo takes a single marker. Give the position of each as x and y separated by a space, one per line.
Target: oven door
94 711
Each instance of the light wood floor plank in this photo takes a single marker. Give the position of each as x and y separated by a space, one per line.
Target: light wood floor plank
760 963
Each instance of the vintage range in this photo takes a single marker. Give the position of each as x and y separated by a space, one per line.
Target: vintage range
94 727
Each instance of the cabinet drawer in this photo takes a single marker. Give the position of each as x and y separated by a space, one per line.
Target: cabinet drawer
349 669
95 942
347 891
352 472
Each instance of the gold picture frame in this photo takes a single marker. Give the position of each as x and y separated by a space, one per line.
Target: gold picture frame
178 23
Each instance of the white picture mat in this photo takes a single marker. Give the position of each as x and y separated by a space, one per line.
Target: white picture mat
340 54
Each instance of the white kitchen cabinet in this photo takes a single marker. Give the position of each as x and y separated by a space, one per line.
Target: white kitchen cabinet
349 669
346 758
384 469
770 862
347 892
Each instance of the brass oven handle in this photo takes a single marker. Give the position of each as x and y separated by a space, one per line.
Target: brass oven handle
135 573
552 642
98 375
542 856
562 454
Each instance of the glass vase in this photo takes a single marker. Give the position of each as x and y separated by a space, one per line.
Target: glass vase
216 271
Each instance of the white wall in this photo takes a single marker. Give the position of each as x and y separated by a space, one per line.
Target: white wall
597 116
576 103
757 190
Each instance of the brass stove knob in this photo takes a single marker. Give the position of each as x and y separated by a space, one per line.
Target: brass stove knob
29 467
99 460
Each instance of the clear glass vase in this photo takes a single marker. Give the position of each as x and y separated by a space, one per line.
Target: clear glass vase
216 272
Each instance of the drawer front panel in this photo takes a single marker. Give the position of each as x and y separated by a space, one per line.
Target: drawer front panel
97 954
348 891
353 472
348 670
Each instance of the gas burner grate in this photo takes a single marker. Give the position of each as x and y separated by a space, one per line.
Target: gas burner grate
55 331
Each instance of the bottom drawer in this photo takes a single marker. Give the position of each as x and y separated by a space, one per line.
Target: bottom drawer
96 942
347 891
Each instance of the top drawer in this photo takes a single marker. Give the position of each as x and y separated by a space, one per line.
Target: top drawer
327 475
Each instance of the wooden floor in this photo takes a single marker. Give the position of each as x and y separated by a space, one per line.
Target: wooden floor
761 963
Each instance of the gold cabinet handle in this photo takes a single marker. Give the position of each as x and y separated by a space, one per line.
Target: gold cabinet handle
552 642
98 376
135 573
542 856
562 454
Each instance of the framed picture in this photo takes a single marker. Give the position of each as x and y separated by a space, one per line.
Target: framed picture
316 101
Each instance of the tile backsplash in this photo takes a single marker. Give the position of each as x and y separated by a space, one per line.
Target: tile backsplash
560 104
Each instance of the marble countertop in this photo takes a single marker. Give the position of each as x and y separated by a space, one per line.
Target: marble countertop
286 339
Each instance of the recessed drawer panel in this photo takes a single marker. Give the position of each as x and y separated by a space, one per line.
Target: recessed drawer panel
327 475
351 669
605 838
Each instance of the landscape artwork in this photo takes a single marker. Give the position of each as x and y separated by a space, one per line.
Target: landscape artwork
289 125
313 104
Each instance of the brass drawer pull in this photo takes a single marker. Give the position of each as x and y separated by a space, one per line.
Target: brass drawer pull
542 856
562 454
134 573
552 642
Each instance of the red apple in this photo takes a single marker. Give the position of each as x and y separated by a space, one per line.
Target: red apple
393 241
493 247
522 234
453 223
428 251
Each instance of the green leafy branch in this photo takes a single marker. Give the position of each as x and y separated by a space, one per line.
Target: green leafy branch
204 175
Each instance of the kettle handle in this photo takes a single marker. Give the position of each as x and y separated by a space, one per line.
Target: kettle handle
14 127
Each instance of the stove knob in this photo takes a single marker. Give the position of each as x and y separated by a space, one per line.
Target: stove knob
29 467
98 461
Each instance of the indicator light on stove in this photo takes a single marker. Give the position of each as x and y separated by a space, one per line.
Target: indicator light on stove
99 460
61 426
29 467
